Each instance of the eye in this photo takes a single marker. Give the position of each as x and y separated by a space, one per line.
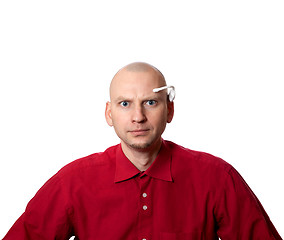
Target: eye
151 102
124 104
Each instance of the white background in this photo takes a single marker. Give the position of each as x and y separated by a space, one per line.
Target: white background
57 58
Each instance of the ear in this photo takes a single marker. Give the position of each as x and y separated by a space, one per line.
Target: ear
108 114
170 111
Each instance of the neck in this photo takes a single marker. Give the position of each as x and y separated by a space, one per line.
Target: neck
141 158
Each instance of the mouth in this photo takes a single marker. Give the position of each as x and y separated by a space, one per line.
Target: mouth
139 132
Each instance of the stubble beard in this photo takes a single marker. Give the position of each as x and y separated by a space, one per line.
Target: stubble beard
143 146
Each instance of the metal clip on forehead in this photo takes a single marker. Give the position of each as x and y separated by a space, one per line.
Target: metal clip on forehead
171 91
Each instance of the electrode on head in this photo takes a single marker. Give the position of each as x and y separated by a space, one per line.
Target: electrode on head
171 91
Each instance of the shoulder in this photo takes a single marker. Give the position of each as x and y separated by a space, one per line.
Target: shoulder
192 160
85 172
91 163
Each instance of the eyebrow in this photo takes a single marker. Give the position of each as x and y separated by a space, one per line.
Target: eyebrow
121 98
124 98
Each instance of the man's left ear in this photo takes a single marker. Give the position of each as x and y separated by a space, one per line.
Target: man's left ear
170 111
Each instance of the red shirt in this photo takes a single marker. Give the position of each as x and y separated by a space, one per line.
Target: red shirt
183 195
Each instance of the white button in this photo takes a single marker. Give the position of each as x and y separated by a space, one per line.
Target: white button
144 239
145 207
144 195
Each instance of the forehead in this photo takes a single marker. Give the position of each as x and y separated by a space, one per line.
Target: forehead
130 83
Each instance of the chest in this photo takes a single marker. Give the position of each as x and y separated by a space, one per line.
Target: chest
143 207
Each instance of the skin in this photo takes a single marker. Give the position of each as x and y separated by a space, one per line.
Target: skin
139 116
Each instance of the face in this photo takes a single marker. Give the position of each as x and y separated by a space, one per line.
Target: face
138 115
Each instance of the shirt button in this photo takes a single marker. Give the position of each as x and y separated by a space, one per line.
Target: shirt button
144 195
144 239
145 207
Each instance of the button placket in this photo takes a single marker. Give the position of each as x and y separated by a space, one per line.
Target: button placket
145 209
144 195
145 204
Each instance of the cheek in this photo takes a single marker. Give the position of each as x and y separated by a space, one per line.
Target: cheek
159 119
119 120
119 126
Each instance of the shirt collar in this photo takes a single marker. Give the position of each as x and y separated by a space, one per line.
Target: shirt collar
124 168
160 168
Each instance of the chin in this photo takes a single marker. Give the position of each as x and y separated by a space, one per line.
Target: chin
140 146
143 145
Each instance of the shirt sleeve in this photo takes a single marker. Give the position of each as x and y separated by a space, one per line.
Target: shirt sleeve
239 213
47 215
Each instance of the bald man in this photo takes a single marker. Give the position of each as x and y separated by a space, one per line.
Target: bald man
144 188
138 115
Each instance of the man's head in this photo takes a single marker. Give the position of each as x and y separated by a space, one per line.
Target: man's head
138 115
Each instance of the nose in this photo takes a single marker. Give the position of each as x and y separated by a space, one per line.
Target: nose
138 115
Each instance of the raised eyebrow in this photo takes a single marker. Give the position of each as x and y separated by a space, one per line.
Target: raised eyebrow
156 98
153 96
151 99
121 99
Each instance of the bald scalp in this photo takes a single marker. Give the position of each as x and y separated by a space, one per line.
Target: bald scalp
139 67
136 67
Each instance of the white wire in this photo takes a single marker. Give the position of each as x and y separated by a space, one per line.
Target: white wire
171 93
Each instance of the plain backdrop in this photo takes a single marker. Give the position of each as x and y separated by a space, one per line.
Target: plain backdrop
57 58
